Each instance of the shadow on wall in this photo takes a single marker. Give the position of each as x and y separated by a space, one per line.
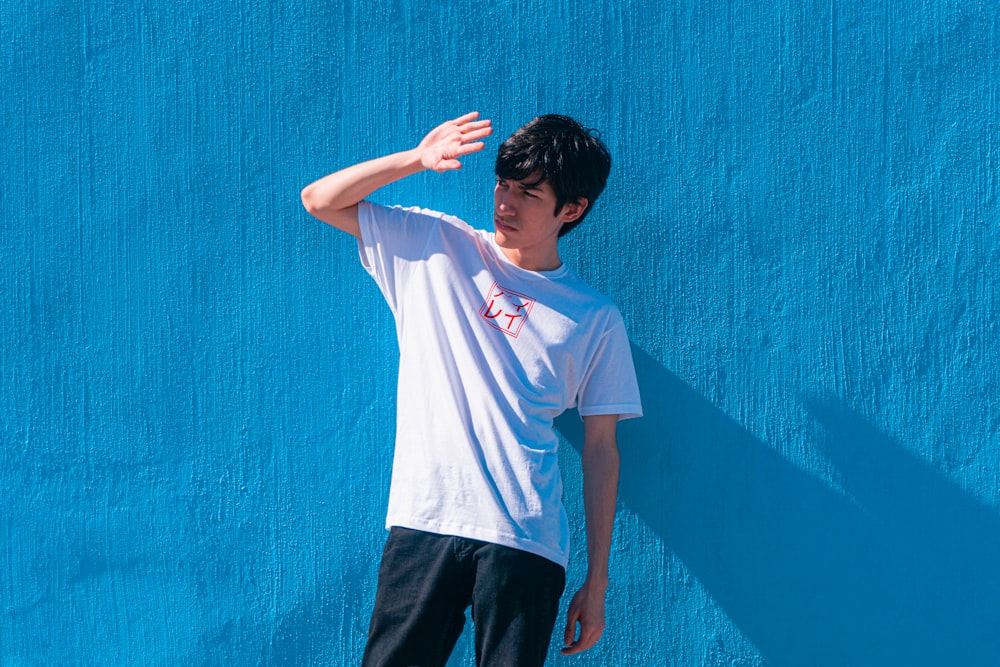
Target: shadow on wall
897 568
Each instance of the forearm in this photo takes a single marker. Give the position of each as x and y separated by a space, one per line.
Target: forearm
333 198
600 493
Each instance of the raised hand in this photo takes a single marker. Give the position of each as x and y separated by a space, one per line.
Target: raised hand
447 142
334 198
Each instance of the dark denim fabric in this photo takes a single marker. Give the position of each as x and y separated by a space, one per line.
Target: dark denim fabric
425 583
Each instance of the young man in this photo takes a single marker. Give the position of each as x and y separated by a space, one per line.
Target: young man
497 338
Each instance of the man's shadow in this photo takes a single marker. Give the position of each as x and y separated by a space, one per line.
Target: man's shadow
898 567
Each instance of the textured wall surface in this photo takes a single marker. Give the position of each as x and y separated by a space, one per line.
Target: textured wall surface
197 379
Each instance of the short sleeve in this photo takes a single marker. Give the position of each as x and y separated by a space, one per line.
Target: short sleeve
609 385
391 237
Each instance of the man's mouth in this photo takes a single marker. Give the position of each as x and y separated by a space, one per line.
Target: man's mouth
501 225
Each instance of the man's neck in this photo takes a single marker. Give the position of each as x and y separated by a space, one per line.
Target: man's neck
533 261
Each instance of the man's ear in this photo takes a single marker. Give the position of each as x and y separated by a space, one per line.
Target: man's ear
573 209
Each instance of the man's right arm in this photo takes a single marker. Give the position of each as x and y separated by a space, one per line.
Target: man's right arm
334 199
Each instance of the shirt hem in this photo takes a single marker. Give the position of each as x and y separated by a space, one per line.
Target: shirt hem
476 533
623 410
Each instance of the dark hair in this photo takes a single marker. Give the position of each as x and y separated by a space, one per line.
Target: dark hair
570 157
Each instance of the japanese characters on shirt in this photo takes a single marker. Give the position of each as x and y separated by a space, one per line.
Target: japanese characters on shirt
506 309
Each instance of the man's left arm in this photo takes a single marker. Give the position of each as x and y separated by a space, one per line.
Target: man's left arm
600 492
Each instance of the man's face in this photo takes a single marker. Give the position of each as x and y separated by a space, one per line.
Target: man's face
525 218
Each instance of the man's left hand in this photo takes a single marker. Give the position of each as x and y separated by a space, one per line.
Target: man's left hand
586 610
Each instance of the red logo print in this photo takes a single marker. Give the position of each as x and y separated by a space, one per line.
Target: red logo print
506 309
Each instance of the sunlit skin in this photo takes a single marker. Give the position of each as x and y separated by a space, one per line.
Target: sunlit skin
527 226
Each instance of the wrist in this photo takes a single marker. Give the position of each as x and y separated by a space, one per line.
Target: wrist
597 582
412 161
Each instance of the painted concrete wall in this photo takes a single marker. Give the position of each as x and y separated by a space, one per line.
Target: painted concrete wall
197 380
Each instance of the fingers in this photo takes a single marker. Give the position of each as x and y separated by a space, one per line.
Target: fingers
569 634
467 135
591 627
449 161
467 127
453 139
477 134
589 635
465 149
465 118
468 124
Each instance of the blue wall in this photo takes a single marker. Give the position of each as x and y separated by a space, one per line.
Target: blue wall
197 379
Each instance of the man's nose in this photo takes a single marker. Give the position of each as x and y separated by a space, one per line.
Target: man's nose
504 206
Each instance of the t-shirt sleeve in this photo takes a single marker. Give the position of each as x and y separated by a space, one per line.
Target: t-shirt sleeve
609 385
391 239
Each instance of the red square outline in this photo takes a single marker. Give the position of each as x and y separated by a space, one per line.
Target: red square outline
489 305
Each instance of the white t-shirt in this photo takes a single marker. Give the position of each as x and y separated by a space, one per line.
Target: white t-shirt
490 354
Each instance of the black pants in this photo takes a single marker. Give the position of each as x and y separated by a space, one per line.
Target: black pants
425 583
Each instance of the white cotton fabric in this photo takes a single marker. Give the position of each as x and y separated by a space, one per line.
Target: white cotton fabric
490 354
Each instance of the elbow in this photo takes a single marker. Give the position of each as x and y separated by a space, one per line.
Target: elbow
601 454
309 199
